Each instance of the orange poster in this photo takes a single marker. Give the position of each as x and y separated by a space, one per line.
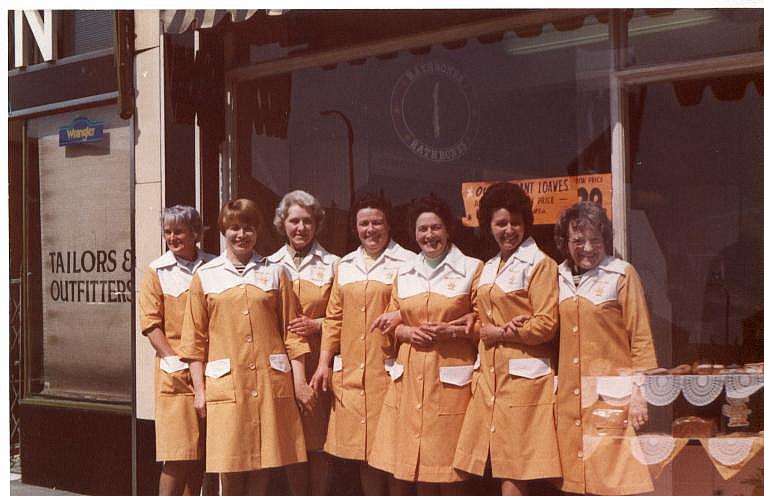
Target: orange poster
550 195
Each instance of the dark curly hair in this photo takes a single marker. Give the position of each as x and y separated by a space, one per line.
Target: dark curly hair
579 215
432 204
372 200
509 196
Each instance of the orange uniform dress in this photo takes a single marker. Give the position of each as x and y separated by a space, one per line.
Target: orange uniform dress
360 293
429 389
511 415
237 325
161 304
604 331
312 283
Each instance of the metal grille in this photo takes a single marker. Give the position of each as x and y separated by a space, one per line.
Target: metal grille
15 362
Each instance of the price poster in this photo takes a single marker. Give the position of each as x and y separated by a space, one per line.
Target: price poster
550 195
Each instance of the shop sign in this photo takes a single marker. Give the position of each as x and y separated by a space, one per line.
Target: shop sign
432 112
81 131
550 195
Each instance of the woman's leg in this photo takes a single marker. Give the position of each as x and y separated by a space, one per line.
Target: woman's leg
234 483
258 482
511 487
176 475
373 481
320 473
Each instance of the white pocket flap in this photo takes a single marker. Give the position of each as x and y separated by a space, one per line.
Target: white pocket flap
218 368
280 362
617 386
172 364
393 368
337 364
458 375
477 363
530 368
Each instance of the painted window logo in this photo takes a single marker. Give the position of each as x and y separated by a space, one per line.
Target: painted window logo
431 112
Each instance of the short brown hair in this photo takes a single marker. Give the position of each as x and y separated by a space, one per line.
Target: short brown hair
241 211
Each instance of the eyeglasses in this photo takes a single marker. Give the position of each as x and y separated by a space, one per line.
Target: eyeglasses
579 242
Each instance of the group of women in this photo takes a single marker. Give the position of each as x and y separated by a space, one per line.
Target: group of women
424 368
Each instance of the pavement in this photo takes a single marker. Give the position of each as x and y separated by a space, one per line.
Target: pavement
20 489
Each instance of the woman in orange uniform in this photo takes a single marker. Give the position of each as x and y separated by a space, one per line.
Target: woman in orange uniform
360 293
604 331
311 269
161 303
510 419
429 392
238 309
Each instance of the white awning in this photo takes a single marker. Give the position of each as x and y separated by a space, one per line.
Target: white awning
178 21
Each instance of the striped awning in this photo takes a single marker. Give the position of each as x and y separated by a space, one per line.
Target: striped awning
178 21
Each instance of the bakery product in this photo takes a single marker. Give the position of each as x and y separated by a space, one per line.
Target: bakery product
693 427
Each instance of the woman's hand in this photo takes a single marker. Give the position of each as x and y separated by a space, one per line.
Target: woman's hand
514 325
637 409
304 326
491 334
306 397
387 322
418 336
200 403
322 378
465 323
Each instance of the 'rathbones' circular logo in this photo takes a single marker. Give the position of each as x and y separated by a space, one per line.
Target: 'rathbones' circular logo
431 112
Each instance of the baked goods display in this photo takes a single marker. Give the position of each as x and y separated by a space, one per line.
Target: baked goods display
693 427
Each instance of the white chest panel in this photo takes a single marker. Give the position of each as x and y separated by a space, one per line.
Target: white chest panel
218 279
445 282
174 280
598 287
385 272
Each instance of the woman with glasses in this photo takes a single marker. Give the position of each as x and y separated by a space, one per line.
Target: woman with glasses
605 341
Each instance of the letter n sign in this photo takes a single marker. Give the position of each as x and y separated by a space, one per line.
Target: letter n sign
43 30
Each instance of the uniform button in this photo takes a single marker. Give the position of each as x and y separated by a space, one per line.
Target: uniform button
251 365
575 329
363 420
242 286
419 378
575 360
362 366
245 312
576 391
575 298
489 313
580 454
254 394
419 406
363 393
493 428
490 370
493 399
363 308
578 422
417 435
363 338
249 339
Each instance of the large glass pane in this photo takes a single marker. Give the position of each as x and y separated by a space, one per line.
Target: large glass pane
677 35
696 237
431 120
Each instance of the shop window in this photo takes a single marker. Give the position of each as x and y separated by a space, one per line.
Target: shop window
79 261
428 119
696 239
676 35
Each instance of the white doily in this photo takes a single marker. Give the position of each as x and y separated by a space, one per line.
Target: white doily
730 450
701 390
650 449
615 390
743 385
662 390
